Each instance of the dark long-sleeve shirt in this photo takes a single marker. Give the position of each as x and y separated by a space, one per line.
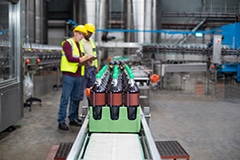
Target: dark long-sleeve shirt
67 48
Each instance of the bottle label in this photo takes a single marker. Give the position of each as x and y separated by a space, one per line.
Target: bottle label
114 99
131 99
98 99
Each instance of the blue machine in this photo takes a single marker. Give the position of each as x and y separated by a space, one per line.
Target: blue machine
228 68
231 66
231 34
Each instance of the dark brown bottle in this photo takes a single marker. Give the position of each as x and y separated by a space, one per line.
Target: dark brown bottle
131 98
115 95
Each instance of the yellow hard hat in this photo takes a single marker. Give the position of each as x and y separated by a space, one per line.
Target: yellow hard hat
90 27
80 28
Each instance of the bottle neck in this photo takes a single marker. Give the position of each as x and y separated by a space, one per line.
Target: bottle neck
131 82
114 82
98 81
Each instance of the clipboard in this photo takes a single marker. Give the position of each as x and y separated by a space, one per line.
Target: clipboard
91 59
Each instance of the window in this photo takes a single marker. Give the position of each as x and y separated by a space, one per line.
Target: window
7 56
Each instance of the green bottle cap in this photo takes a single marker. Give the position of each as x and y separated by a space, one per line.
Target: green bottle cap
131 76
98 76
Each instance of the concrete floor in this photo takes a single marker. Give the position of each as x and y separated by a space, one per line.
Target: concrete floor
208 129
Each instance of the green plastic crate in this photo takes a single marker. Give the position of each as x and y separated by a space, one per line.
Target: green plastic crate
106 124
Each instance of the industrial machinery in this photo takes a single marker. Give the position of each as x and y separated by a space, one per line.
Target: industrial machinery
227 65
35 57
39 57
223 56
115 126
42 56
10 61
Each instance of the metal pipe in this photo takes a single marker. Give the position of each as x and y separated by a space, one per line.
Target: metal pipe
138 21
148 20
193 30
74 11
27 20
101 17
81 12
158 19
39 21
154 19
204 5
91 11
128 6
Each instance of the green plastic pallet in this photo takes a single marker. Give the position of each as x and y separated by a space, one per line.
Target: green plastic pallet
106 124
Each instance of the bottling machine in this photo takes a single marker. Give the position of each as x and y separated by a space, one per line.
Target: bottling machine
222 57
37 57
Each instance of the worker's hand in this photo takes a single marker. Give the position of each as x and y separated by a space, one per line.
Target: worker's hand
84 60
97 70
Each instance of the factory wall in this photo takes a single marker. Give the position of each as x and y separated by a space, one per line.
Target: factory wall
181 6
117 12
56 36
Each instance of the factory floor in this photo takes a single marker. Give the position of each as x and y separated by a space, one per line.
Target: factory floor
207 129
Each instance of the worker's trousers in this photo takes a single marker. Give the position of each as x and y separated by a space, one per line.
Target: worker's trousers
70 89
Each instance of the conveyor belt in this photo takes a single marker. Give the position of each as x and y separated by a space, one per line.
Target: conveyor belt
104 146
185 49
125 145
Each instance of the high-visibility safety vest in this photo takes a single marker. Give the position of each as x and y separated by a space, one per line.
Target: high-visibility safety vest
67 66
93 49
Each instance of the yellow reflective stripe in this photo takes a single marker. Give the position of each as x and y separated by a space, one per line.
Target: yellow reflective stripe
83 55
82 70
94 53
82 48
